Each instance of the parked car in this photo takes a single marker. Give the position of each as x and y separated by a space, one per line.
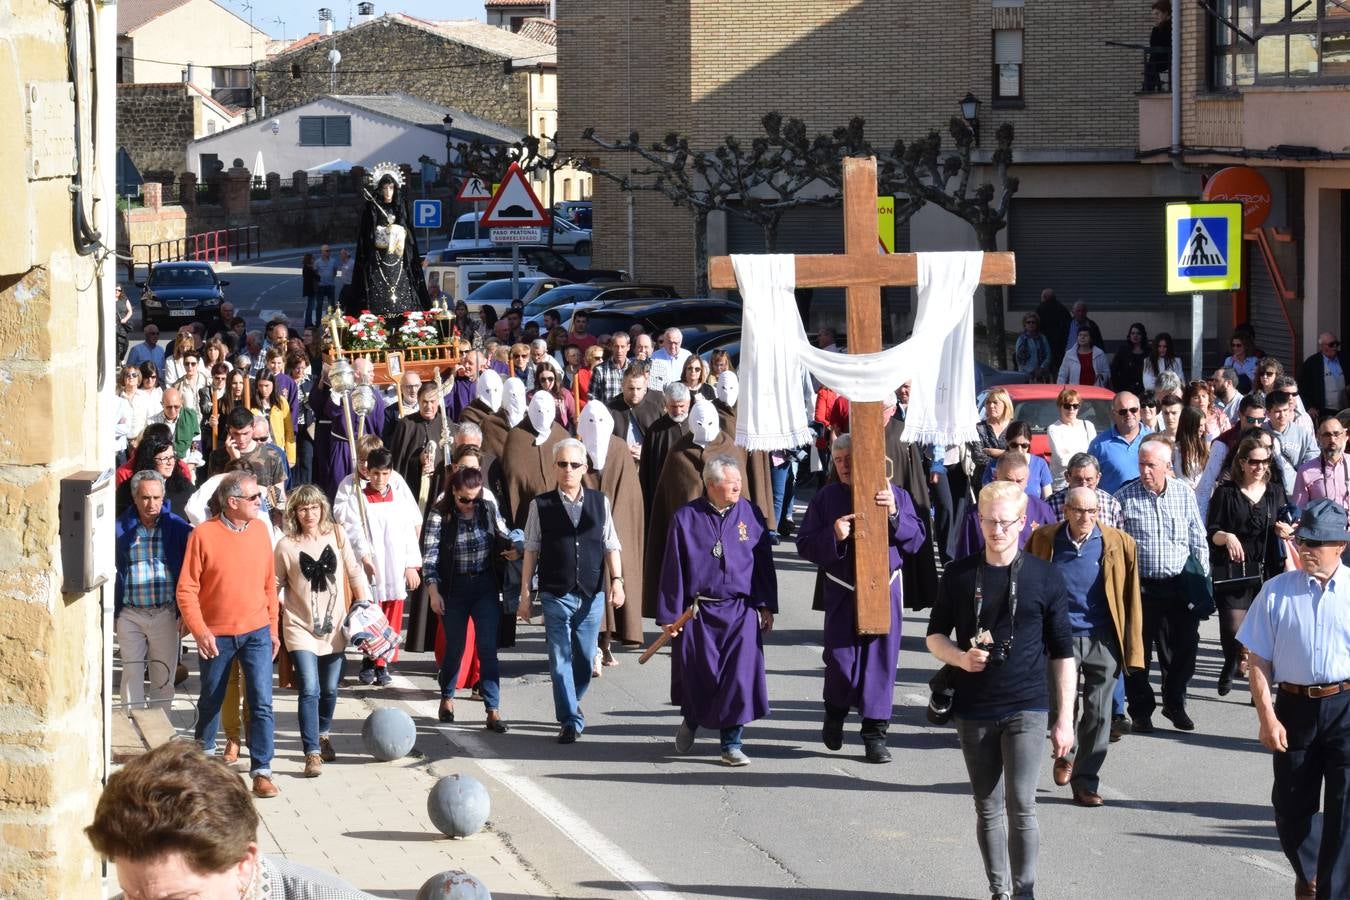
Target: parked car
986 376
1035 405
181 292
497 293
458 279
578 212
568 237
567 298
655 316
550 262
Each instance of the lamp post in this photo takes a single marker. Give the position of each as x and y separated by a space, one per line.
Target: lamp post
970 111
448 122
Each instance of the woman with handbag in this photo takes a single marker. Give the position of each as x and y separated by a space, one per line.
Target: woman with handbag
463 545
318 576
1246 543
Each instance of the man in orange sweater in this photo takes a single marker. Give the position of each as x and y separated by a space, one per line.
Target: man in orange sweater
227 594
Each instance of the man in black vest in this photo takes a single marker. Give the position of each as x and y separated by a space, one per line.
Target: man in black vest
569 537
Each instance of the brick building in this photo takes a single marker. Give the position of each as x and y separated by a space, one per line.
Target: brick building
1086 221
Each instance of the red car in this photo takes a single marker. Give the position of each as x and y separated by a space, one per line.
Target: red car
1035 405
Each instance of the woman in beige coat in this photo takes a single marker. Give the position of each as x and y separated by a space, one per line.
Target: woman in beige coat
315 565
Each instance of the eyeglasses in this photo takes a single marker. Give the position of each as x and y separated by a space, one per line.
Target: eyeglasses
1071 405
1082 510
1019 445
251 498
564 464
1333 345
169 407
1128 411
1256 462
165 459
1332 434
1000 526
1254 420
189 363
466 501
521 355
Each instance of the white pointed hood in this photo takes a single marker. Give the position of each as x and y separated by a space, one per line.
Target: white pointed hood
703 423
513 401
489 389
595 428
728 388
541 411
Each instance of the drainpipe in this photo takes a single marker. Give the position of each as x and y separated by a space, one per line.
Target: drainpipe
1174 70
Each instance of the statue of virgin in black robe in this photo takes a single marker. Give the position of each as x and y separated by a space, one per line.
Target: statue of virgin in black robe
387 277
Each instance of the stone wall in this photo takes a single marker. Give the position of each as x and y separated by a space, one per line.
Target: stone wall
155 123
56 415
457 75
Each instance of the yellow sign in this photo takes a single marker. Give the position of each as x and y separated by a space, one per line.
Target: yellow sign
886 223
1204 247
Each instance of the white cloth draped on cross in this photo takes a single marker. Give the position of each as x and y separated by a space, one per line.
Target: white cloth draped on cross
938 358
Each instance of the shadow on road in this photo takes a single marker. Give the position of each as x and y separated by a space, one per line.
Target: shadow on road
766 893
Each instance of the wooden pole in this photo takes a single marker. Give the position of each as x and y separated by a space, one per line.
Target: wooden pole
345 402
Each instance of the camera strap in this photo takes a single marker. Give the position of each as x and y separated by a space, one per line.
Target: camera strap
1012 592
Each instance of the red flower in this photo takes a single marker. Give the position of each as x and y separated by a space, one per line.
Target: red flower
350 320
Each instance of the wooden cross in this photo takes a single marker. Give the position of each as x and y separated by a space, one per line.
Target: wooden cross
863 271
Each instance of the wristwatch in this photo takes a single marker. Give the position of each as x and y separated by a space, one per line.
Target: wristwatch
618 578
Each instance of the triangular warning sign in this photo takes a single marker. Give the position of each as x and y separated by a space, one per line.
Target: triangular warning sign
514 204
473 189
1199 250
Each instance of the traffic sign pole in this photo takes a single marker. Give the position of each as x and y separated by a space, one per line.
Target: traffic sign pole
515 273
476 214
1197 336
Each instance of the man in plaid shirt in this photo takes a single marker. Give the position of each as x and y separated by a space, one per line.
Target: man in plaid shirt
607 376
149 551
1084 471
1162 516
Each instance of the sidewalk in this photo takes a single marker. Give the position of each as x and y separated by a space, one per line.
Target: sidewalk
366 821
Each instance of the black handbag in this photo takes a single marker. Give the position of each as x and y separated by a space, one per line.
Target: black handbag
1235 575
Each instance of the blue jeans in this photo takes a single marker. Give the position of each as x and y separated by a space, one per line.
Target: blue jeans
471 597
254 652
313 311
730 737
571 627
784 480
325 292
317 679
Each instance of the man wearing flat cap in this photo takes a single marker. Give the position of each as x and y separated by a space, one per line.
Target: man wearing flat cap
1298 635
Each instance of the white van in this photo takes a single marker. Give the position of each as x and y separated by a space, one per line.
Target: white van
567 238
457 280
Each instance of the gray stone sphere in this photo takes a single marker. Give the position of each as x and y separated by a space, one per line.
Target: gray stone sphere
389 733
459 805
453 884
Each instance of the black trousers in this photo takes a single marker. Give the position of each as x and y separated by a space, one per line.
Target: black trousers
1171 628
941 496
1318 759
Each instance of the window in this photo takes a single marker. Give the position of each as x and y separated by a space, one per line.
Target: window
1008 64
1296 42
567 189
325 131
231 77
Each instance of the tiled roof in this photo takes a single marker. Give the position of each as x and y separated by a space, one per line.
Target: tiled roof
490 4
132 14
545 31
416 111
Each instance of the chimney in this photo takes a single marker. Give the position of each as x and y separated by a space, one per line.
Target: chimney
198 75
326 17
365 11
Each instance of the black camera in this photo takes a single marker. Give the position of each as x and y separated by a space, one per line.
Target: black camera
997 650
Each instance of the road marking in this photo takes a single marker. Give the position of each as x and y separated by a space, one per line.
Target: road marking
576 829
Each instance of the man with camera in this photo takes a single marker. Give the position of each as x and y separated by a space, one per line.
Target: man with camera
1009 612
1098 566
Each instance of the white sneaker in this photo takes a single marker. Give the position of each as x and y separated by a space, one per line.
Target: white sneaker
735 757
684 738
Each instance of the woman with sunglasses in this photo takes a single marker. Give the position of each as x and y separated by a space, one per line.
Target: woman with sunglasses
173 366
547 378
1242 360
1246 545
130 421
1068 436
316 573
695 377
1038 471
148 399
1267 371
464 546
1162 358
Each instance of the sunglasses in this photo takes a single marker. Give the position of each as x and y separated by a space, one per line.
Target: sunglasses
1072 405
1254 461
1128 411
1311 544
1020 445
466 501
251 498
564 464
1253 420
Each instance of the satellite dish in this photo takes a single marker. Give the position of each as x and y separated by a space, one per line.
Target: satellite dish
334 57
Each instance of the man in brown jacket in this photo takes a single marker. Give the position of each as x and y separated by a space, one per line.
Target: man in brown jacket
1098 566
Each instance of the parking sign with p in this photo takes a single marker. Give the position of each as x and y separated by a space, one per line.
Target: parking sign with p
426 214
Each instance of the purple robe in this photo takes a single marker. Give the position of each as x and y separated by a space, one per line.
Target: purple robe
332 455
859 670
500 368
287 388
717 662
971 538
460 397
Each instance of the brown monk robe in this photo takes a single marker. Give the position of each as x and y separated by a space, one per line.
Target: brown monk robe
664 434
409 437
527 467
614 474
476 412
495 429
682 480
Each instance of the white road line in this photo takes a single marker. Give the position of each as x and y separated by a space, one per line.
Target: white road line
576 829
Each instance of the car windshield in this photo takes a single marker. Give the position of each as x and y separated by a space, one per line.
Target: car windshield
181 277
1040 414
544 258
557 297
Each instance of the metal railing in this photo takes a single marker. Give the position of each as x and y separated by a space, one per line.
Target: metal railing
222 245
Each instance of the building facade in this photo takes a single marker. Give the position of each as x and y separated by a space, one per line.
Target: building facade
157 40
1086 220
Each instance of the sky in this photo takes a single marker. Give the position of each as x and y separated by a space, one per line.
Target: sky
291 19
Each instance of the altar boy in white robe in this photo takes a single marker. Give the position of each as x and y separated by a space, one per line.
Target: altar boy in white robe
391 549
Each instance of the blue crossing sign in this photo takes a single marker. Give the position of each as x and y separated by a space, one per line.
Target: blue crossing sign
426 214
1204 247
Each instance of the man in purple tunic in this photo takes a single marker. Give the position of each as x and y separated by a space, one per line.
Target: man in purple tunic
859 670
465 389
720 559
1011 467
332 455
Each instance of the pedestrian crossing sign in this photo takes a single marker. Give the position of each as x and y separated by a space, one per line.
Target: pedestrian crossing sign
1204 247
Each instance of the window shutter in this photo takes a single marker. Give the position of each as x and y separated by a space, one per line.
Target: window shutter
311 131
338 131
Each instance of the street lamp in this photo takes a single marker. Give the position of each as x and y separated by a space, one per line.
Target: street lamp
970 111
448 121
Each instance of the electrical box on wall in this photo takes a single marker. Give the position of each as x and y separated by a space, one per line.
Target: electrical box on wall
88 517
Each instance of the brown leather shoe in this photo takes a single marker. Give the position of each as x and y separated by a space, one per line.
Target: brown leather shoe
313 765
1084 797
264 788
326 751
1063 770
1305 890
231 753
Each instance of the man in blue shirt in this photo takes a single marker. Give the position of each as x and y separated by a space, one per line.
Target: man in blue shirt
150 351
1298 635
1117 448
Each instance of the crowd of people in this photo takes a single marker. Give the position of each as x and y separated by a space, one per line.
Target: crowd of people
594 480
